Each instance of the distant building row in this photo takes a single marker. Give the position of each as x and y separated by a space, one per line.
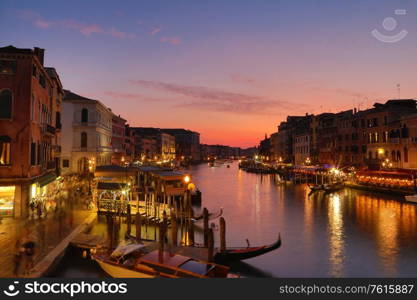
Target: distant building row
384 136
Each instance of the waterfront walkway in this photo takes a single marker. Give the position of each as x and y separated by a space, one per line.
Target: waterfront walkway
47 232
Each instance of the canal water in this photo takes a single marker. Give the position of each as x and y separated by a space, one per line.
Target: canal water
345 234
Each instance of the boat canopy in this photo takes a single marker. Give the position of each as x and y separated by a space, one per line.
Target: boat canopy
125 249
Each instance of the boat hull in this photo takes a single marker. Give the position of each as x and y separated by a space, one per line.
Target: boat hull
121 272
411 198
245 253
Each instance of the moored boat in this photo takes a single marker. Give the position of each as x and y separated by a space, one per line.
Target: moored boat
411 198
327 188
330 188
138 261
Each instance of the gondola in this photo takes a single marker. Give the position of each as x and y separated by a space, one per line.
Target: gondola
333 187
234 254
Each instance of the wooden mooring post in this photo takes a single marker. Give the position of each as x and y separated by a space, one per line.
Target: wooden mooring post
222 234
138 223
116 231
162 233
109 231
161 242
128 220
206 226
210 242
174 230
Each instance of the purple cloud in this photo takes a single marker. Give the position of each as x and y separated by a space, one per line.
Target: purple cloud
171 40
35 18
242 79
83 28
155 30
218 100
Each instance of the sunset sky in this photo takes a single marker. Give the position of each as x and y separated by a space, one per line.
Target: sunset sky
231 70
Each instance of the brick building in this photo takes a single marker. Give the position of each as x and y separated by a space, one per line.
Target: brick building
118 140
30 103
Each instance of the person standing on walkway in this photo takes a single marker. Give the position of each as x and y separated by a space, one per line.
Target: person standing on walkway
17 258
28 249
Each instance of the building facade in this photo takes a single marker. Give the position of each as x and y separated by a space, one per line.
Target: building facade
87 128
118 140
381 137
154 144
30 97
187 144
129 144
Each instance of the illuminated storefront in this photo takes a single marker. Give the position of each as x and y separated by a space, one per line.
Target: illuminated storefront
7 197
44 192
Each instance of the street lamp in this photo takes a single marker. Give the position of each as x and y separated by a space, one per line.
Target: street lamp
387 163
187 179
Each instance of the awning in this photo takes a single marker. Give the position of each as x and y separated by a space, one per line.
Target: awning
47 178
110 185
5 139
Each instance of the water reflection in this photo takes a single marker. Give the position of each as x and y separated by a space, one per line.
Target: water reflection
349 233
336 238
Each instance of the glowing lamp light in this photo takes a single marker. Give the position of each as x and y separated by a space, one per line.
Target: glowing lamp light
381 151
187 179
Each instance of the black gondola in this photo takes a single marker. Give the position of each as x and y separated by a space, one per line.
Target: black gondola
234 254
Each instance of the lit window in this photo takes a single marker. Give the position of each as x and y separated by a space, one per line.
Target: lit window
6 200
8 66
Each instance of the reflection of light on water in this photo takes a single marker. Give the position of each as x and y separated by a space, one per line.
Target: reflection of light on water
336 242
308 217
383 216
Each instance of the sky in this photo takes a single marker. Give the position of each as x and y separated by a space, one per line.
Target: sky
231 70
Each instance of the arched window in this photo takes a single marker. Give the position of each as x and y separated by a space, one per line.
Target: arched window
83 140
393 157
398 156
5 104
84 115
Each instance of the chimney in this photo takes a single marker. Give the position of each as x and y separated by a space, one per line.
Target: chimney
39 52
